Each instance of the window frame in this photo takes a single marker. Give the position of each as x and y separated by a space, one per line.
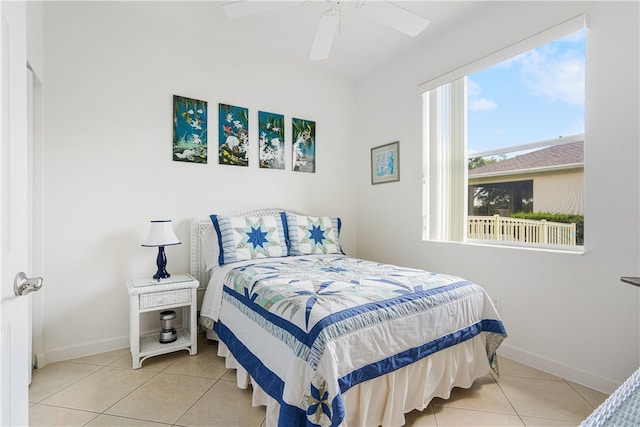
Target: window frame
444 219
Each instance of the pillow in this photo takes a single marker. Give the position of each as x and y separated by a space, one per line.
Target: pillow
209 248
313 235
242 238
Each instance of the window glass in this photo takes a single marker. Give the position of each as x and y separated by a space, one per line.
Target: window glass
535 96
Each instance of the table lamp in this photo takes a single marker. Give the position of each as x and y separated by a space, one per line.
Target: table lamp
160 235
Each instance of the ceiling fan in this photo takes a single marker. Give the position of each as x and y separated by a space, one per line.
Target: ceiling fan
384 12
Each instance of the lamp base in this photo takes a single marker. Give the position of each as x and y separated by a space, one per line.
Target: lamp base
161 263
161 275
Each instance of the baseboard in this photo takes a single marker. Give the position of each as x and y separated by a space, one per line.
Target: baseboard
542 363
86 349
567 372
82 350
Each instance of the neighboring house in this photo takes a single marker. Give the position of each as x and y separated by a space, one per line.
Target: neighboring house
550 178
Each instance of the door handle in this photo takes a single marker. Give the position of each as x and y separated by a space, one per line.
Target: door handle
22 284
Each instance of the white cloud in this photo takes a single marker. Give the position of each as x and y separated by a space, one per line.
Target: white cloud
473 88
482 104
476 103
556 77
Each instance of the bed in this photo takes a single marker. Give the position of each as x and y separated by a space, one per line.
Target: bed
327 339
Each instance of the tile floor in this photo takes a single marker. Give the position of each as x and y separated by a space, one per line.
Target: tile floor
182 390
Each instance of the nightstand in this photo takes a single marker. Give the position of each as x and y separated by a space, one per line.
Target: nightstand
146 295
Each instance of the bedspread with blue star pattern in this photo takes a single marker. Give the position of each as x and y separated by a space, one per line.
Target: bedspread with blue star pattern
333 322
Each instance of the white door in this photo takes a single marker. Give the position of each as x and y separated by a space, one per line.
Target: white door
14 317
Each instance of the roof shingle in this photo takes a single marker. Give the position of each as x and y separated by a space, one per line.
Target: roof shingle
556 155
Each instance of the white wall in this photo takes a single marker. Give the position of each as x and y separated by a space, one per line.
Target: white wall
110 77
565 313
35 37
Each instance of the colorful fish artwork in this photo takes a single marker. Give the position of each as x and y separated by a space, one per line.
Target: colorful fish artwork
304 145
271 138
189 130
233 135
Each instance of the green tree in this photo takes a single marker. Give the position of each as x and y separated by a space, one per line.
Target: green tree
478 162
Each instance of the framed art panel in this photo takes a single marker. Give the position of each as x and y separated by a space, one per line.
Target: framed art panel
385 163
304 145
233 135
271 138
189 130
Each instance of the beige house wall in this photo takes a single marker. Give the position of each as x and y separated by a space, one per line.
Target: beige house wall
558 191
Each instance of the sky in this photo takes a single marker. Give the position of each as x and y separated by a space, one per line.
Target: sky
534 96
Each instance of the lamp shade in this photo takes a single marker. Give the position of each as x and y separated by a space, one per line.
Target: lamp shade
161 234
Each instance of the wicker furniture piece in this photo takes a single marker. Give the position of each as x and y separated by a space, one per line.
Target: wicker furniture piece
148 294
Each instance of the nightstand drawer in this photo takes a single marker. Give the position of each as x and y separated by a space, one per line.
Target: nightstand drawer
158 299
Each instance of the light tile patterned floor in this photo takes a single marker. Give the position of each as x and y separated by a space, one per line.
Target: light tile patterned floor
182 390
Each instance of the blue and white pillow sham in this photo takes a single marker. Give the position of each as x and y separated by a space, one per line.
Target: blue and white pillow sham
244 238
313 235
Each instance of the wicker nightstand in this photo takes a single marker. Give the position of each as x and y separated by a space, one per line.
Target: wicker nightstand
145 295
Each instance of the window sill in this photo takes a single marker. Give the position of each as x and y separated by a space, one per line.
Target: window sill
572 250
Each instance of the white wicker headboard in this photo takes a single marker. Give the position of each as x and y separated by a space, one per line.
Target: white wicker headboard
202 225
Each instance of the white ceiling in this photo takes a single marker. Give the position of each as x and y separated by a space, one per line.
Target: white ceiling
362 45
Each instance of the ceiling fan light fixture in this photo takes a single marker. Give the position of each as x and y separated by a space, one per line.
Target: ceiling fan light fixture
394 16
325 34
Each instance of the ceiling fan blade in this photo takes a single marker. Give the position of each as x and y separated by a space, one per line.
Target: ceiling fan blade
395 17
325 33
244 8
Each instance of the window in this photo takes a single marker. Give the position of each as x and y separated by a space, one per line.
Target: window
504 145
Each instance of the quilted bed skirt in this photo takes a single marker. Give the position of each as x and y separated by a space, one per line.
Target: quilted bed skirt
384 400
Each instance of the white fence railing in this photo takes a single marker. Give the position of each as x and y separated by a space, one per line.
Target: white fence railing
520 230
